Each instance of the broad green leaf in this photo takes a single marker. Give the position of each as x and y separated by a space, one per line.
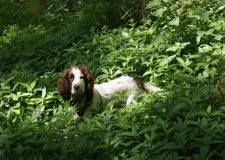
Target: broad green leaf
43 93
137 147
115 142
177 46
203 151
125 34
147 137
27 86
220 8
188 69
26 94
153 3
159 12
169 146
147 73
209 109
175 22
180 61
14 96
3 115
205 48
32 85
223 51
179 106
16 111
17 105
8 113
166 60
15 86
200 34
218 37
129 134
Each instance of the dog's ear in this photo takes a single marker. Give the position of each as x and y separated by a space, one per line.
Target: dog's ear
64 85
89 83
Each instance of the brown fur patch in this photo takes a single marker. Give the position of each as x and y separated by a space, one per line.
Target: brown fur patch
64 85
140 84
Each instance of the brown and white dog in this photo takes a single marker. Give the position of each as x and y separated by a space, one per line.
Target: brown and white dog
77 84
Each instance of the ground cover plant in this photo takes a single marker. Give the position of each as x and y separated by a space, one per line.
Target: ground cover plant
177 45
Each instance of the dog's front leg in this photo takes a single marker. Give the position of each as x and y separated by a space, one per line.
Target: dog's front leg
131 98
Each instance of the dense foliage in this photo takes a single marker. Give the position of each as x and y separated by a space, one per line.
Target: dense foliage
177 45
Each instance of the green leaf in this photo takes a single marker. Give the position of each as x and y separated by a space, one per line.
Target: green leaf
220 8
14 96
205 48
179 106
203 151
218 113
169 146
27 86
125 34
147 73
209 109
16 111
26 94
166 60
177 47
15 86
8 114
199 36
159 12
116 141
180 61
153 3
129 134
32 85
147 137
3 115
43 93
188 69
218 37
175 22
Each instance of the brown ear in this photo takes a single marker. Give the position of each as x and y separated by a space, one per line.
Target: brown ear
64 86
89 83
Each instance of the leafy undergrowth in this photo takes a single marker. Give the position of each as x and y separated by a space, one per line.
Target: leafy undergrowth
180 48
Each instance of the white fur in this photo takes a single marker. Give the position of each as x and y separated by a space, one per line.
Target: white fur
124 84
77 81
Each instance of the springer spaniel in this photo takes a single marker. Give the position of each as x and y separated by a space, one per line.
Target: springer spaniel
77 84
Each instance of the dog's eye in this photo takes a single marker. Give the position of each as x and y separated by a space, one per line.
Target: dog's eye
71 77
81 77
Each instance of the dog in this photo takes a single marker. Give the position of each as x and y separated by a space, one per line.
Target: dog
77 84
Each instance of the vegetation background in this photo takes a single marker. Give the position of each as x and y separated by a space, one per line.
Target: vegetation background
177 45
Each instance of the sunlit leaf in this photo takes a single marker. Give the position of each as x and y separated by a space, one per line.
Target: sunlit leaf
180 61
153 3
175 22
43 93
160 11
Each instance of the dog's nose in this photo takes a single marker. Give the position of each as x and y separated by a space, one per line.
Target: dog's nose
76 87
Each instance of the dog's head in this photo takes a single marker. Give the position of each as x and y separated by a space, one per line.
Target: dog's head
76 82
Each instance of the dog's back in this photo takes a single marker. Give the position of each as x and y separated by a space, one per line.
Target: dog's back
122 84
